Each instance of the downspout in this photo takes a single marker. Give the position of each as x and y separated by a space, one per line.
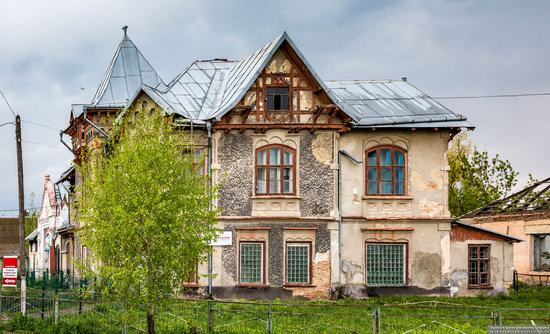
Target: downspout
340 219
209 173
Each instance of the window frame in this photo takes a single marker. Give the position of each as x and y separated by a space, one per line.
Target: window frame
309 245
289 96
267 166
478 273
193 279
262 267
391 166
405 245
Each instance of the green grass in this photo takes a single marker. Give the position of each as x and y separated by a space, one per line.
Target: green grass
398 314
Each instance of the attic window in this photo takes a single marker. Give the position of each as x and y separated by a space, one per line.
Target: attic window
277 98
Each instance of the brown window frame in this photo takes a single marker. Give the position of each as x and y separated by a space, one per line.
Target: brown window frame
391 166
264 267
267 166
193 279
478 272
310 262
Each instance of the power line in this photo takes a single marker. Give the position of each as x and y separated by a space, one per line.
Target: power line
7 103
36 143
491 96
42 125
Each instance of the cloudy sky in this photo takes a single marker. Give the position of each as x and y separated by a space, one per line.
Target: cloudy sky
54 53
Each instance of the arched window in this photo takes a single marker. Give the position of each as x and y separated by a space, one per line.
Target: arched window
385 171
275 170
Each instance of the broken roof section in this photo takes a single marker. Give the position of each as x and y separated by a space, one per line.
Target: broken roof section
531 200
126 73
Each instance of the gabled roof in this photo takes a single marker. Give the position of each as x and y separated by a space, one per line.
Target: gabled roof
126 73
382 103
533 199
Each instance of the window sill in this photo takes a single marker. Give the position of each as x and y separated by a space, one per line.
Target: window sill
252 286
487 287
297 285
276 196
387 197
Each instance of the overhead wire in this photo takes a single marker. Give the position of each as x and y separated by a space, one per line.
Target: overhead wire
14 115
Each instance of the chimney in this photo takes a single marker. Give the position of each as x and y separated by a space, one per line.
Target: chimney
47 178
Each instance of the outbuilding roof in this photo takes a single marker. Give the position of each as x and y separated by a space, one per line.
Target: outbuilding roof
533 199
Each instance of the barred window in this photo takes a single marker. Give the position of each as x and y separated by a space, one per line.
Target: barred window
251 262
275 170
478 266
298 263
386 264
385 171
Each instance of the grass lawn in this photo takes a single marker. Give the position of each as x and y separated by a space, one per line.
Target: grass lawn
398 314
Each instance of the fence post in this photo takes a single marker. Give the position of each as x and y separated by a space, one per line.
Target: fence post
270 319
56 307
210 317
376 321
80 298
43 294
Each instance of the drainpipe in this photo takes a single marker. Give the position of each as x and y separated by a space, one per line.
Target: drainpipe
209 173
340 207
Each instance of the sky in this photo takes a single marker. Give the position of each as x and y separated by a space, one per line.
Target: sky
54 53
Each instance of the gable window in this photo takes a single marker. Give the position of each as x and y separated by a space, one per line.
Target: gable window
298 263
277 98
385 171
478 266
386 264
251 263
275 170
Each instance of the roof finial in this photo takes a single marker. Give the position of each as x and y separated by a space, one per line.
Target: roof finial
125 28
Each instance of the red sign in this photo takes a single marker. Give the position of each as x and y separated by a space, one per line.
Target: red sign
9 272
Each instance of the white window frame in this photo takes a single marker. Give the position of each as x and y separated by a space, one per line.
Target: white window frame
262 266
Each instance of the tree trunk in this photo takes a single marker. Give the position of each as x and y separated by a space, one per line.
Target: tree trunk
150 322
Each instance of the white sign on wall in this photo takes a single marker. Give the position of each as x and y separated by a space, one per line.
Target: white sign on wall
224 239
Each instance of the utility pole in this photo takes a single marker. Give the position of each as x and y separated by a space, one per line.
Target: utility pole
22 249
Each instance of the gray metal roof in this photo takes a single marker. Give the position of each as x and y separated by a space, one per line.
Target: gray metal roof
392 103
125 75
209 89
33 234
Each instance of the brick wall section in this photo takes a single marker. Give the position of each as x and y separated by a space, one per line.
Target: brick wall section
9 236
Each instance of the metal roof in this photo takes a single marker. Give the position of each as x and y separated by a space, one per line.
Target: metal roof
209 89
391 103
533 199
125 75
33 234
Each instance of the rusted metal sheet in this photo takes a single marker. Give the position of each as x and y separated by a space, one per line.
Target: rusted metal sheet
464 232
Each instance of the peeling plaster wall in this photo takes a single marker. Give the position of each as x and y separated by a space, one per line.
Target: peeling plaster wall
426 174
316 176
226 276
428 261
235 157
501 267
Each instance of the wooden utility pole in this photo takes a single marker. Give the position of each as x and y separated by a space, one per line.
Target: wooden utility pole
22 248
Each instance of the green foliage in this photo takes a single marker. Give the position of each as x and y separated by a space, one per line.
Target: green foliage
483 179
31 218
145 211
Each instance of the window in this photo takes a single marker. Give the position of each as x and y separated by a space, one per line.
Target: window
199 159
192 278
277 98
275 170
298 263
478 266
251 263
386 264
385 171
